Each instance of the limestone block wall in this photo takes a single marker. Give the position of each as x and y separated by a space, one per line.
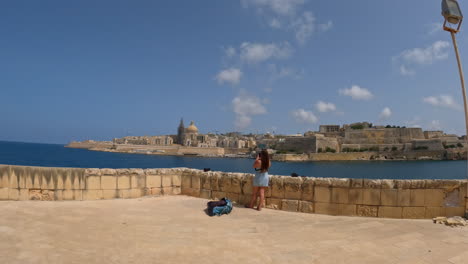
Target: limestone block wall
49 184
332 196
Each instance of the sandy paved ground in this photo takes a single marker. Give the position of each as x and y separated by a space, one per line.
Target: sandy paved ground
176 229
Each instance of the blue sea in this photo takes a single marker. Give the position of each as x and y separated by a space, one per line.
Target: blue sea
52 155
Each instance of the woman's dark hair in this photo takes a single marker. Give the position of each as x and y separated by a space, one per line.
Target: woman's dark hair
265 160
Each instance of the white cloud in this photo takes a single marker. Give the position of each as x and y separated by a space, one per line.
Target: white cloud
325 107
422 56
231 75
435 125
357 93
303 116
405 71
230 52
385 114
442 101
275 23
279 7
415 122
258 52
304 26
325 27
283 72
435 28
245 107
437 51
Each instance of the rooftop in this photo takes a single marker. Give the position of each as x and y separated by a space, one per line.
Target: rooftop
175 229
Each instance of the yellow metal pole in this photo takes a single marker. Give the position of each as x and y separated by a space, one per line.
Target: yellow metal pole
462 80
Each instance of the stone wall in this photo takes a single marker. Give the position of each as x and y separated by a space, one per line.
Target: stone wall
332 196
41 183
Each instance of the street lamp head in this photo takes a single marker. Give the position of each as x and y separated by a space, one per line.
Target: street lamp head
451 11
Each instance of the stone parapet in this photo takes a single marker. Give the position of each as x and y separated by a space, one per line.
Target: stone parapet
333 196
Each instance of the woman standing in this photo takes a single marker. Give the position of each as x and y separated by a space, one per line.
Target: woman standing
260 183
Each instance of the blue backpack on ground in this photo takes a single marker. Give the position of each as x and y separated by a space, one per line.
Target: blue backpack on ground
223 206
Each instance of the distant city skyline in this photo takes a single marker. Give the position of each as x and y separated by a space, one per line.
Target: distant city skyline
109 69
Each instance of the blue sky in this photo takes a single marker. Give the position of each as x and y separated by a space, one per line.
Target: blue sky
76 70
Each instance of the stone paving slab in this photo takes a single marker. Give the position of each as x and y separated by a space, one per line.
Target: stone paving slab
175 229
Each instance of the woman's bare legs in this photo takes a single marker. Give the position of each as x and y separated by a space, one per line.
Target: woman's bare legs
262 198
253 200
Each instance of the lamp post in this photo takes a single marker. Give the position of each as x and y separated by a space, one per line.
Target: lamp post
453 18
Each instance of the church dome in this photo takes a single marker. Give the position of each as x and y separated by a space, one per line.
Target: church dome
192 128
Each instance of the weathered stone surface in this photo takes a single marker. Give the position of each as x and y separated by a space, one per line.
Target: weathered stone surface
292 188
137 181
368 211
289 205
186 182
176 180
234 197
166 180
24 195
371 196
341 182
167 190
108 172
323 182
205 194
4 193
327 208
236 183
306 207
347 209
455 211
404 197
372 184
176 190
35 195
357 183
92 194
93 182
307 189
418 184
225 183
93 172
355 196
58 195
322 194
156 191
13 194
123 182
205 181
273 203
417 197
434 197
442 184
247 184
140 171
136 193
110 194
72 195
4 176
389 197
214 181
390 211
108 182
339 195
388 184
431 212
196 181
217 195
153 181
277 187
403 184
412 212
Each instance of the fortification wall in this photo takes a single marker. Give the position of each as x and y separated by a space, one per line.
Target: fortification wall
382 135
332 196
